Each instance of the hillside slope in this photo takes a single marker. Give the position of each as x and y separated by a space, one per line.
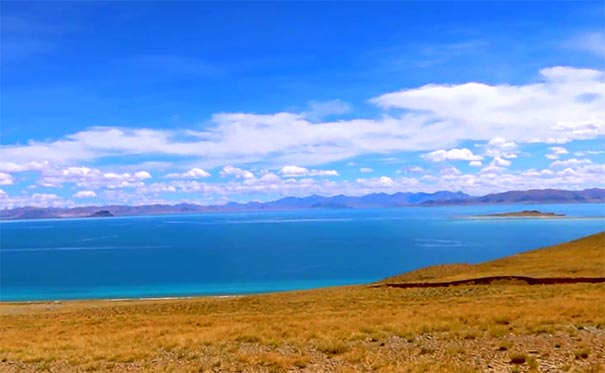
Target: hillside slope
584 257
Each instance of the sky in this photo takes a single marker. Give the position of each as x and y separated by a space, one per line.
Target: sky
133 102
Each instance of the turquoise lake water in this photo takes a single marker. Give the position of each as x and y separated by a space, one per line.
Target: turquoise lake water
243 253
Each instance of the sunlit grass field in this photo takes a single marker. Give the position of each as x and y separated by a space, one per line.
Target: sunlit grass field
584 257
357 328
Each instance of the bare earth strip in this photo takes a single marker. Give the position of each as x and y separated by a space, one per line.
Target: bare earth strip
500 327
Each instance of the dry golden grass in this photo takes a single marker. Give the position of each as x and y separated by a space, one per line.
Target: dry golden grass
348 329
580 258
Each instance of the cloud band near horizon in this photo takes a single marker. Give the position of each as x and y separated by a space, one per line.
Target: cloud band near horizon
472 137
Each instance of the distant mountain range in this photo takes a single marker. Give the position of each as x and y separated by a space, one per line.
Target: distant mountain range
374 200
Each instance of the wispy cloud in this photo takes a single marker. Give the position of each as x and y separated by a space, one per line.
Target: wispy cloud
590 42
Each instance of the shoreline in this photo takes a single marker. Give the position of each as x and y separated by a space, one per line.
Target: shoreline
174 298
133 299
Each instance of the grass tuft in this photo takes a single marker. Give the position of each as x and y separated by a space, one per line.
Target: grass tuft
518 358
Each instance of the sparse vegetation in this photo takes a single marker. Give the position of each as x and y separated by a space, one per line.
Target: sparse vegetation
582 353
518 358
580 258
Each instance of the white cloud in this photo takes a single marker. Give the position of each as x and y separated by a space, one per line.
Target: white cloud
3 194
6 179
552 110
588 152
567 104
500 162
142 175
27 166
91 178
556 151
296 171
441 155
237 172
194 173
497 165
500 147
85 194
450 171
570 162
366 170
377 182
45 200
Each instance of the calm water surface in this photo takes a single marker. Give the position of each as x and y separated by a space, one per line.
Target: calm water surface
241 253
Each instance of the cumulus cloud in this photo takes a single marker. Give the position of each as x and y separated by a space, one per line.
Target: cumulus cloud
194 173
462 154
573 176
85 194
497 165
450 171
377 182
553 110
92 178
556 151
295 171
5 179
45 200
237 172
366 170
500 162
499 147
142 175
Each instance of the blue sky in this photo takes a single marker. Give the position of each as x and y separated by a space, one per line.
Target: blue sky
136 102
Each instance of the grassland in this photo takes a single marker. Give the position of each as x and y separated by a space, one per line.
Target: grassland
584 257
498 327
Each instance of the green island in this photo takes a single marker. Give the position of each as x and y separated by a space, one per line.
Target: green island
438 319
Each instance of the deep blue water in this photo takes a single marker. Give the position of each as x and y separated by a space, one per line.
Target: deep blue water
239 253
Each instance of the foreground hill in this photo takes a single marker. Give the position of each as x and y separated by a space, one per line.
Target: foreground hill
374 200
495 328
584 257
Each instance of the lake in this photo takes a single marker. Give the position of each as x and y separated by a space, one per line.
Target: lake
256 252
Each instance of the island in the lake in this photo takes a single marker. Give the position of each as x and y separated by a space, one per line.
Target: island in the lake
522 214
101 214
